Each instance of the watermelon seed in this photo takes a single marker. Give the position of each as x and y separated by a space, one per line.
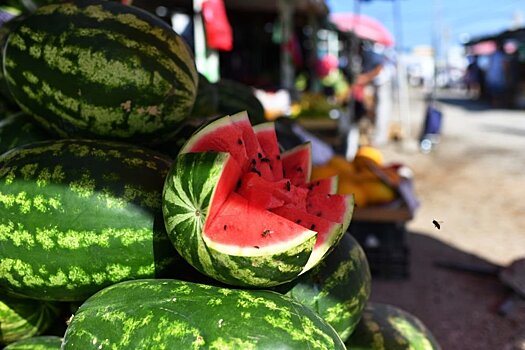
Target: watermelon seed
238 185
310 187
266 233
239 141
298 221
224 227
288 186
299 169
256 171
256 246
254 162
318 213
278 157
317 183
266 160
312 227
259 155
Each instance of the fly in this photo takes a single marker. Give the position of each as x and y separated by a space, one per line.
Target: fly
437 224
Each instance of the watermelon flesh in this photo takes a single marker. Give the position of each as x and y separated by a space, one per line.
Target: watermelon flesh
267 138
326 185
263 222
297 164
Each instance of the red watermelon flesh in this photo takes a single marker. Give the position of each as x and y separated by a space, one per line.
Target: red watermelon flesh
260 197
332 207
281 191
256 228
259 163
221 135
267 138
297 164
326 185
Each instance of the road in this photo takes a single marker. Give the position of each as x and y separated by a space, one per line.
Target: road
473 183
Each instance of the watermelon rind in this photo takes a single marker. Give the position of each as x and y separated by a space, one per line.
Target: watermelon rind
23 318
385 326
189 190
338 288
171 314
43 342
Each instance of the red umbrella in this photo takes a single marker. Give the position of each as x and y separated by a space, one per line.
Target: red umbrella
363 26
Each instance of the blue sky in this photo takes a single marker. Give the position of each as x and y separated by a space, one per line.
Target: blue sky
421 20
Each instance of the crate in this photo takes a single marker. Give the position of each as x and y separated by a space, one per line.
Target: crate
385 245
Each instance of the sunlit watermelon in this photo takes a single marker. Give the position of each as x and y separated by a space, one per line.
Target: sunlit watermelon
264 238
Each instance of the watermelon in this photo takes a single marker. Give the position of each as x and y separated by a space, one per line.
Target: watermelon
385 326
234 97
206 100
338 288
78 215
43 342
101 69
171 314
19 129
326 185
24 318
215 208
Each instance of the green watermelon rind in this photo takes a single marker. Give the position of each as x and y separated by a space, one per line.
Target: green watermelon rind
25 318
188 191
171 314
43 342
385 326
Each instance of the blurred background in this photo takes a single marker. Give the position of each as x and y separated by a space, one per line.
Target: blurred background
418 107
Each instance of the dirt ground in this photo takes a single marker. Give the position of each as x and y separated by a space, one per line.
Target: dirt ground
473 183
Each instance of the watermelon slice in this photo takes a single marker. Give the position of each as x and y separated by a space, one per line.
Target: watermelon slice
238 226
267 138
326 185
297 164
259 163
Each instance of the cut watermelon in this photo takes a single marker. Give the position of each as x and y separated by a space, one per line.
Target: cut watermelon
267 138
239 227
326 185
333 207
297 164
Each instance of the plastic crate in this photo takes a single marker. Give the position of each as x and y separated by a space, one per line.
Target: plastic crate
386 248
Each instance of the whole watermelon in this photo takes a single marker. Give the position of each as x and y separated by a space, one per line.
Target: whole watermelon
338 288
79 215
43 342
24 318
101 69
172 314
19 129
388 327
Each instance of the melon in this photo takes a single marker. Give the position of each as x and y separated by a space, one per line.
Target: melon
239 225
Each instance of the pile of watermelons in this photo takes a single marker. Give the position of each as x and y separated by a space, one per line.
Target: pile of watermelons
130 219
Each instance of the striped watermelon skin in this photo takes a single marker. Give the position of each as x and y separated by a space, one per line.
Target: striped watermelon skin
338 288
388 327
43 342
186 204
78 215
24 318
101 69
171 314
20 129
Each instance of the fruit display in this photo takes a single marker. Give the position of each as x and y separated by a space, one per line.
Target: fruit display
366 176
153 209
385 326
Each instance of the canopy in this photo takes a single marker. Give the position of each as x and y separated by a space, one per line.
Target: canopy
364 27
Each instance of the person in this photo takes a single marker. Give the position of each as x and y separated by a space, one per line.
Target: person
495 76
383 103
472 77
